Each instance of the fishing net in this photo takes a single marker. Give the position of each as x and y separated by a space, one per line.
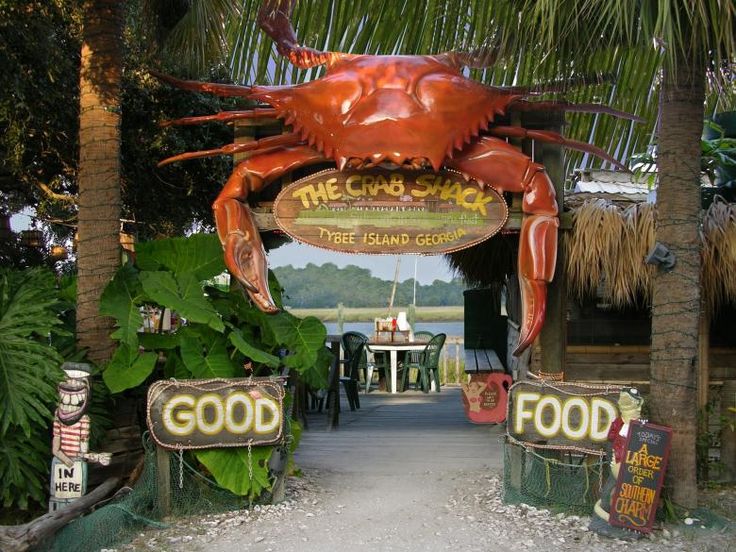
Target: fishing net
558 480
132 510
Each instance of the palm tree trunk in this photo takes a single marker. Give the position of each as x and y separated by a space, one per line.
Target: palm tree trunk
676 301
98 252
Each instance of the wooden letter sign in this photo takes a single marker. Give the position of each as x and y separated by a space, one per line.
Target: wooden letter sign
562 414
201 414
640 477
389 211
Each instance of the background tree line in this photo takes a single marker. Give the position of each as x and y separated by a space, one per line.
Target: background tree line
327 285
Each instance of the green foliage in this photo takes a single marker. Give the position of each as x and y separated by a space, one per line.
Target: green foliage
29 372
228 466
223 332
325 286
39 59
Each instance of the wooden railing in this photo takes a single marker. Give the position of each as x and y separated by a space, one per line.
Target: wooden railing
452 361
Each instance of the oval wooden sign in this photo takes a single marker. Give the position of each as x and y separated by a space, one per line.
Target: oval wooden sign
381 210
216 413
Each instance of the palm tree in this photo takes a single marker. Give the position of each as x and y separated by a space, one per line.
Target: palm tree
98 252
102 60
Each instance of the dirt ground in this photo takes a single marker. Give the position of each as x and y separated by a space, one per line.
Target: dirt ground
409 473
422 511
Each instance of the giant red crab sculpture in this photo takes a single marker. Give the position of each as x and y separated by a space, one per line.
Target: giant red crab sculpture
410 111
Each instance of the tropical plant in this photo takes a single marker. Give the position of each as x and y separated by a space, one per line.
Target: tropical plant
223 333
718 156
29 372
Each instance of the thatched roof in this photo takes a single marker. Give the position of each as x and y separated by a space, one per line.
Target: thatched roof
487 264
608 243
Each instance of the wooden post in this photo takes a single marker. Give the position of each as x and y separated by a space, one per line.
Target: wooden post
333 393
457 362
163 481
553 337
340 317
728 435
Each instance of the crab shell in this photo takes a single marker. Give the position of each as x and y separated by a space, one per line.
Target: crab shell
388 108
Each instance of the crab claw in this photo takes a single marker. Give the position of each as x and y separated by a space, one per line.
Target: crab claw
246 260
537 258
533 310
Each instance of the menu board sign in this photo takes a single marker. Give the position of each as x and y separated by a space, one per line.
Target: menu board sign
640 477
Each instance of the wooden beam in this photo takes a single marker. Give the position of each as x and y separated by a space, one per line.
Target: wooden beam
553 337
163 481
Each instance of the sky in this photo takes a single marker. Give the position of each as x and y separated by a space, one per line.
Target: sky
429 268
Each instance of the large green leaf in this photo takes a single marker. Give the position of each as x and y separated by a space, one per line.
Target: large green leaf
207 358
183 294
229 467
315 375
257 355
302 337
23 469
199 254
121 300
155 341
29 367
128 368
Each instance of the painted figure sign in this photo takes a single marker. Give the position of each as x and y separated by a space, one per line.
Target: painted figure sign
562 414
70 445
640 477
485 397
202 414
379 210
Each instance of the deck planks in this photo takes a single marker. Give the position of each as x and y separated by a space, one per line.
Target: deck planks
406 433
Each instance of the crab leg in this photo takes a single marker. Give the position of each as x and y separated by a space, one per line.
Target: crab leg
218 89
223 117
232 149
274 18
555 138
493 162
560 105
244 253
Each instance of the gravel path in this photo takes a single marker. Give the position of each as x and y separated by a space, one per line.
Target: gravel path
366 489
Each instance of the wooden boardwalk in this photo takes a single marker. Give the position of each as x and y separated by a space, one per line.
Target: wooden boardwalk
407 433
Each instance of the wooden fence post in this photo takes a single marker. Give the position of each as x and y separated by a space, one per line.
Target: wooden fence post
163 480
